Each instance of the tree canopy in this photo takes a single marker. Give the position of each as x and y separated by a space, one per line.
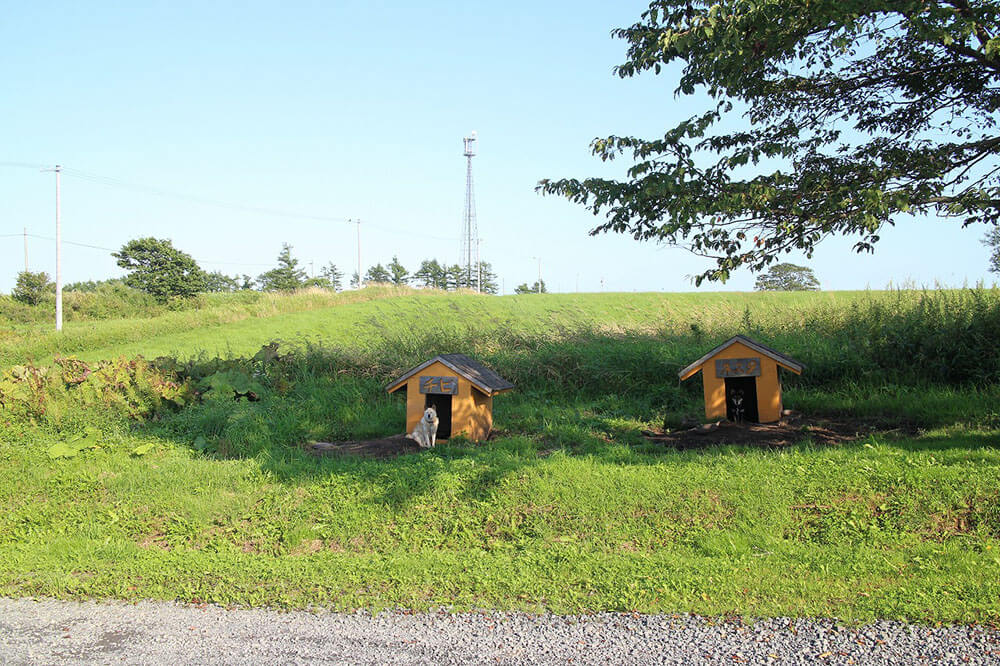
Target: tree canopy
333 276
378 273
31 288
397 272
787 277
827 117
156 267
537 288
287 276
431 274
217 281
992 241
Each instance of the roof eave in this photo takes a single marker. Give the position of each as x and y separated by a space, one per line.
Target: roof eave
401 382
786 362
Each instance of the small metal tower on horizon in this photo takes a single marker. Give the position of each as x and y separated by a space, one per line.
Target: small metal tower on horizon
470 232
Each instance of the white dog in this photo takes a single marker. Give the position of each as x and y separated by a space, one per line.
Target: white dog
425 434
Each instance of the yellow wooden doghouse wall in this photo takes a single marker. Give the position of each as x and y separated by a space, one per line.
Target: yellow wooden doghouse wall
472 400
738 357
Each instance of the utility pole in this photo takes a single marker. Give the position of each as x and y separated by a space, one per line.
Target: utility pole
26 249
538 285
58 170
312 269
358 222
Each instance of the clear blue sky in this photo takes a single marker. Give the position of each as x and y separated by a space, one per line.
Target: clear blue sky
355 110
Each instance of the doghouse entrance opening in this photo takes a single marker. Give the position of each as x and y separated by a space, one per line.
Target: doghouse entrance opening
741 399
442 404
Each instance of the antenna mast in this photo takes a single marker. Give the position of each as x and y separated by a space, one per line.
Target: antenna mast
470 232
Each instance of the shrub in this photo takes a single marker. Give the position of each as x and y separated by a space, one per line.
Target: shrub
31 287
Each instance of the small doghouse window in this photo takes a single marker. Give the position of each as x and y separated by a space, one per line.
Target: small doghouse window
741 399
442 404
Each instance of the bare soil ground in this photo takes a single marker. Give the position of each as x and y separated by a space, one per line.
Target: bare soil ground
790 430
786 432
386 447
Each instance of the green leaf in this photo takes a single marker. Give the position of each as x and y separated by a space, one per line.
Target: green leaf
143 450
62 450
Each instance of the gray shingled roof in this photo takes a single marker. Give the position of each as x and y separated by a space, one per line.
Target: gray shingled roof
786 361
482 377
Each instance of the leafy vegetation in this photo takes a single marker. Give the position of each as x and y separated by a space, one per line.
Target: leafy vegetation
287 276
992 241
31 288
787 277
187 494
157 268
846 115
537 288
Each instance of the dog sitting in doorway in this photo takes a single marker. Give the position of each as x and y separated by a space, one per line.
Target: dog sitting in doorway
736 399
425 434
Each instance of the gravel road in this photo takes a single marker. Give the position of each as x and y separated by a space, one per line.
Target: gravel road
33 632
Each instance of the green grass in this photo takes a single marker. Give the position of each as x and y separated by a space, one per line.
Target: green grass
898 529
240 324
570 510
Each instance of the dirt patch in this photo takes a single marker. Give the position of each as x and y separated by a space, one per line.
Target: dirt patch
387 447
785 432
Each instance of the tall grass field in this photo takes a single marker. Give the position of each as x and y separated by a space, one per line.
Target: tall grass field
127 469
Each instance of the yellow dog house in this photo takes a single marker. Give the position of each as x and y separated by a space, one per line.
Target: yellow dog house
459 388
741 382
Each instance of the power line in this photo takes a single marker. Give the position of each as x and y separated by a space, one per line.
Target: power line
23 165
111 249
118 182
112 181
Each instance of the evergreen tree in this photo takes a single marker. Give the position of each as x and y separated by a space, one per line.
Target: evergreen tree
455 277
378 273
287 276
537 288
431 274
332 276
488 279
399 275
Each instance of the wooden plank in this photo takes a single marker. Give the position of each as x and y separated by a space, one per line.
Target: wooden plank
439 385
737 367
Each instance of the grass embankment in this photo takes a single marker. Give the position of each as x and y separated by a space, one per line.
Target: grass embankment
156 328
570 510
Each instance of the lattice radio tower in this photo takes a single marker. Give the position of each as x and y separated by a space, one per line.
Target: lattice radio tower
470 232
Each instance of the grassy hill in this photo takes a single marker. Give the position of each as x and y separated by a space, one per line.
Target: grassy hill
570 509
238 324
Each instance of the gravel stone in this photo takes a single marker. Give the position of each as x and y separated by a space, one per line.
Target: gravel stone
49 631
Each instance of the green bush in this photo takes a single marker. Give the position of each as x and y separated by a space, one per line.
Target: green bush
31 288
129 388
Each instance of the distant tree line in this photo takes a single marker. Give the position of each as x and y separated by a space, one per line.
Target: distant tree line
537 288
154 266
432 274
